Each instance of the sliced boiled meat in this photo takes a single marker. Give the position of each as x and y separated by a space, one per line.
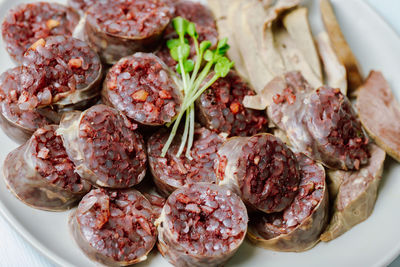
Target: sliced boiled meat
356 193
142 87
220 108
320 123
105 147
379 113
172 172
18 118
299 226
41 174
123 27
201 225
115 228
261 169
73 71
27 23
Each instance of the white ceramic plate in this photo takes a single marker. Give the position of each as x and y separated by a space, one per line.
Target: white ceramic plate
375 242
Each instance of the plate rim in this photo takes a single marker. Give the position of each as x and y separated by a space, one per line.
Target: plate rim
55 259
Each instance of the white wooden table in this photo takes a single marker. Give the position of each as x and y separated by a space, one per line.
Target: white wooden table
16 252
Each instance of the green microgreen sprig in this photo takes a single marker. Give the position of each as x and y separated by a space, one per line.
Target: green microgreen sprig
192 76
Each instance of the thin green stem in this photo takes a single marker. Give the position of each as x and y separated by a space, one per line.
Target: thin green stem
199 60
203 74
172 135
184 136
183 74
199 92
191 132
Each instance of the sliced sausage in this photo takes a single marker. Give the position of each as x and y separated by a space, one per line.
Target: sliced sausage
201 225
126 26
157 202
172 172
73 71
82 6
380 113
18 120
115 228
41 174
206 28
105 147
220 108
299 226
148 189
334 126
320 123
27 23
142 87
261 169
356 195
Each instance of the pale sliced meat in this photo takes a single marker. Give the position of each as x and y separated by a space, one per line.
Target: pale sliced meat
335 180
263 99
335 71
298 27
274 10
340 46
220 10
293 57
270 52
379 113
249 40
356 196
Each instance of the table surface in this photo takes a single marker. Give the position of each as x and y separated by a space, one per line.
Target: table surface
15 251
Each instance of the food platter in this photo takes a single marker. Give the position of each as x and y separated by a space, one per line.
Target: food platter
375 242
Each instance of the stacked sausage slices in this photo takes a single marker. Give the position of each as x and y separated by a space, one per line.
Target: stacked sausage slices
285 193
72 145
57 73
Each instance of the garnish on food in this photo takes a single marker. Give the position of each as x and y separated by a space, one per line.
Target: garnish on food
192 76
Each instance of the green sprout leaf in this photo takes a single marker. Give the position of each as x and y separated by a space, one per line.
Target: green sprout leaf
193 77
204 46
223 46
223 66
208 55
173 43
191 30
180 25
188 65
180 52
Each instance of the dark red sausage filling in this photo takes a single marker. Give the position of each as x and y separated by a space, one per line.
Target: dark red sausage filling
16 88
27 23
221 108
117 224
271 174
83 5
141 87
180 171
206 219
52 162
70 64
335 126
311 192
112 150
136 19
